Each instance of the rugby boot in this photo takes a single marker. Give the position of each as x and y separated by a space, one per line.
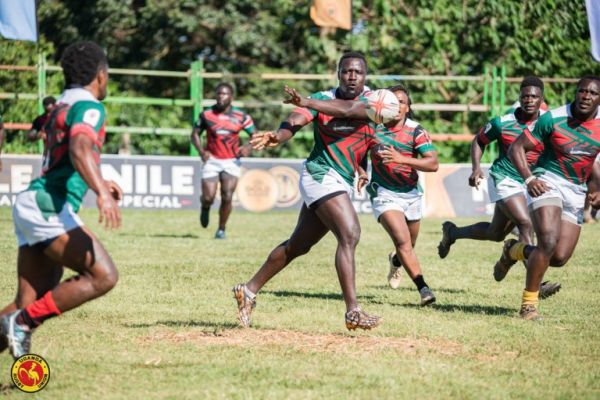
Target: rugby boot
204 214
427 296
245 303
504 264
548 289
357 318
529 312
446 242
220 234
17 336
394 274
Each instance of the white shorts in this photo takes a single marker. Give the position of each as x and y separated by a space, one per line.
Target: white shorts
214 166
410 203
561 193
32 227
504 189
312 190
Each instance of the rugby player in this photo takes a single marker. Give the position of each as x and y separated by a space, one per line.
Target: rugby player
221 156
394 191
506 188
326 183
49 232
37 127
556 186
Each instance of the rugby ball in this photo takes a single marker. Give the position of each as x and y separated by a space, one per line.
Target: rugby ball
382 106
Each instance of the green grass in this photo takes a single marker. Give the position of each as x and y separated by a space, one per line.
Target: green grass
168 330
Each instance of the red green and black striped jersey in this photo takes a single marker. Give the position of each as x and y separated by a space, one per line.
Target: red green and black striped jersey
570 146
223 130
505 130
340 143
411 140
77 112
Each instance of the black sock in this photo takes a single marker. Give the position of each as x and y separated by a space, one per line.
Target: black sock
25 319
396 261
419 282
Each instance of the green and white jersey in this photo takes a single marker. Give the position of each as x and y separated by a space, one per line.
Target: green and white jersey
77 112
570 145
340 143
505 130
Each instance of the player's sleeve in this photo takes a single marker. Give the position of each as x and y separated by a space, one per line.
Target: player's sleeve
490 132
308 113
86 118
200 123
423 142
542 130
248 124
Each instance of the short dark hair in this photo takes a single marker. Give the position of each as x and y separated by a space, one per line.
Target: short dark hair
48 100
352 54
532 80
224 84
81 62
402 88
588 78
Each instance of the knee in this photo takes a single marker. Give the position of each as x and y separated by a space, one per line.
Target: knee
207 200
559 260
293 250
404 249
350 237
547 243
226 197
107 279
497 236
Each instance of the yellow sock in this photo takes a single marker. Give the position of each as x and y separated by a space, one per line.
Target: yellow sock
531 297
517 251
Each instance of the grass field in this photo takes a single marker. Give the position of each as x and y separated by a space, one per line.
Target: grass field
168 330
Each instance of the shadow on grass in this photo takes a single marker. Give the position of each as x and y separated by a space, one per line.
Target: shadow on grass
186 323
163 235
463 308
6 388
412 289
326 296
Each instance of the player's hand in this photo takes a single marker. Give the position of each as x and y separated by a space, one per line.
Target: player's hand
205 156
245 150
363 180
109 212
115 190
476 178
536 187
390 155
294 98
261 140
594 199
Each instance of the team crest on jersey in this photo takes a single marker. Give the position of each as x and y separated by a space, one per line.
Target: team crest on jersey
487 128
30 373
91 117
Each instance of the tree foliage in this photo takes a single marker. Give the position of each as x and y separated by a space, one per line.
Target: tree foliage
407 37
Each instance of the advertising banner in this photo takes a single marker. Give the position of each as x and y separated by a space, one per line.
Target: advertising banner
266 184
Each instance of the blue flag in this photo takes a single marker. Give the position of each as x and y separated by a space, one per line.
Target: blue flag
593 12
17 20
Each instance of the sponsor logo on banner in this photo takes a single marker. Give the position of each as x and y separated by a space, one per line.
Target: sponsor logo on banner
265 184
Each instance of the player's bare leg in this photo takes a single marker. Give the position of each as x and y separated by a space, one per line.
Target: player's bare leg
309 230
496 231
79 250
337 213
37 274
399 230
228 185
209 190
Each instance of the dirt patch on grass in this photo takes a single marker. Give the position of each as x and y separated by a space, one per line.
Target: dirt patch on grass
309 342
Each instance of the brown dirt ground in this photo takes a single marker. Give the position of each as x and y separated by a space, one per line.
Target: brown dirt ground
308 342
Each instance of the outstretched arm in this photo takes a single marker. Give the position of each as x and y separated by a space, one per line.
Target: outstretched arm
335 108
293 123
